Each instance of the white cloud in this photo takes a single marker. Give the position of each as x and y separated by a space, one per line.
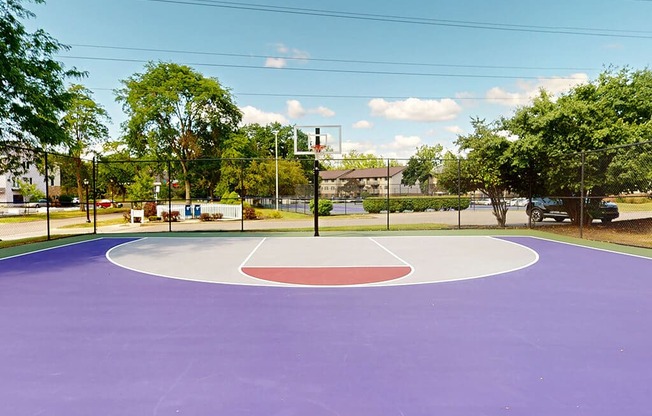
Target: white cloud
299 54
252 115
275 63
362 124
323 111
296 110
281 48
415 109
285 53
362 147
527 90
401 147
454 129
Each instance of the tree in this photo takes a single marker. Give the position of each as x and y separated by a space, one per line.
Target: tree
485 167
260 177
421 167
83 122
29 191
356 160
252 141
142 189
32 90
615 109
175 112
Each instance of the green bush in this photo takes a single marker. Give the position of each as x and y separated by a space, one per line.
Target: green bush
230 198
324 207
273 215
374 205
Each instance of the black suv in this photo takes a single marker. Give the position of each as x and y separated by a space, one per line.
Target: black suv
541 208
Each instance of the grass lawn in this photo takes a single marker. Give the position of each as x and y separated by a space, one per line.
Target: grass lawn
623 207
55 215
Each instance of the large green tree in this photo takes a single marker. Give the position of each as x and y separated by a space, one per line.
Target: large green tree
32 90
421 167
84 122
485 166
175 112
554 136
252 141
260 177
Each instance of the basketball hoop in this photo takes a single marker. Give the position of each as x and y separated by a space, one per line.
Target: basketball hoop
317 148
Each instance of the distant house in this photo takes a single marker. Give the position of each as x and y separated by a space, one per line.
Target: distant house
353 183
10 189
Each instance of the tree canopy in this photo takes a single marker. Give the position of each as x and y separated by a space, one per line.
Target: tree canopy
554 136
174 111
84 123
421 167
32 89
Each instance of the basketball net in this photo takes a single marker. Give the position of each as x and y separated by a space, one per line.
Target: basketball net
318 148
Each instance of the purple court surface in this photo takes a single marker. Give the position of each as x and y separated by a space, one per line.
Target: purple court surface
563 331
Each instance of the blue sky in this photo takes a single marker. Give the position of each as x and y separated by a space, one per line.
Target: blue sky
394 75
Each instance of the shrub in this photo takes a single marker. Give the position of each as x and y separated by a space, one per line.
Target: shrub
172 217
324 207
149 209
249 213
274 215
126 216
204 216
230 198
152 218
374 205
217 216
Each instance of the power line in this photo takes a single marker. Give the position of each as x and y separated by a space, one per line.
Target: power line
637 34
334 60
349 96
323 70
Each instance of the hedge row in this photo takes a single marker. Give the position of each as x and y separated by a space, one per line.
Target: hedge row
374 205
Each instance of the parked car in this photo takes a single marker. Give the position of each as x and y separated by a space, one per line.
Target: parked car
541 208
518 202
107 203
37 204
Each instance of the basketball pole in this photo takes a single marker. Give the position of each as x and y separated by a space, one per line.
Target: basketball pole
316 182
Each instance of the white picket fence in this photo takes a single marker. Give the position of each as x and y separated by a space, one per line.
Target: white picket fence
229 212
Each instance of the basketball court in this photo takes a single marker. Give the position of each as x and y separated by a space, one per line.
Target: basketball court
336 325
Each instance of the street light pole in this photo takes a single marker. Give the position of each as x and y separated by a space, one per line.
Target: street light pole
88 218
276 160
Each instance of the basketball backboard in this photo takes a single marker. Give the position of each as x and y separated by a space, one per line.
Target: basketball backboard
316 140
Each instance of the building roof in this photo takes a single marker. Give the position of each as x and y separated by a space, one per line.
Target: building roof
333 174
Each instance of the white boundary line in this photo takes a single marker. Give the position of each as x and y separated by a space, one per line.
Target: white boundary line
587 247
51 248
397 258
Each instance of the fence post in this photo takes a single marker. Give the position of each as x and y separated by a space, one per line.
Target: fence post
459 192
47 195
387 195
582 196
94 195
169 196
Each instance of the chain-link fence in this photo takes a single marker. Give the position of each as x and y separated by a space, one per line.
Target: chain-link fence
601 194
42 194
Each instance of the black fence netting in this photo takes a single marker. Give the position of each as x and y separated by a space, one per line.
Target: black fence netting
42 194
584 194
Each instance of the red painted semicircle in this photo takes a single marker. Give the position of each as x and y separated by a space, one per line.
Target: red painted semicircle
328 276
